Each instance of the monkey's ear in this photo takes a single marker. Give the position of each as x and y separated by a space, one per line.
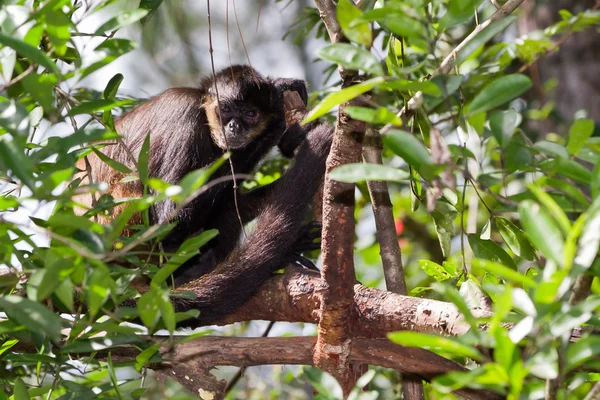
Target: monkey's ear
294 85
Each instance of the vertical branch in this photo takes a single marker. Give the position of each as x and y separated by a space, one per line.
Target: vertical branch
391 255
389 249
334 342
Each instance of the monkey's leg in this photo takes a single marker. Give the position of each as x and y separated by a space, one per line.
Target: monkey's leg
278 226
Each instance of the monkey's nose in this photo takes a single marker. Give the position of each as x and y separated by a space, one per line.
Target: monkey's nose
234 126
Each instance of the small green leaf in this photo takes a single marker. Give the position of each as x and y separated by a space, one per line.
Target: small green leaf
143 160
114 164
503 125
14 118
340 97
434 270
502 271
570 190
584 349
595 178
352 57
149 307
360 172
121 20
403 85
542 230
482 38
144 356
97 288
380 116
579 132
458 11
30 52
555 210
359 32
110 91
488 250
93 106
412 150
435 343
20 390
90 345
41 88
34 316
13 158
515 238
567 168
404 26
498 92
551 148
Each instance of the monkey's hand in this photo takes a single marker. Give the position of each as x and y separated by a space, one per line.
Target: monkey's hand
294 85
308 240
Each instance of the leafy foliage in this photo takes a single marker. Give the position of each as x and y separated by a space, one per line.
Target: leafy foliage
488 205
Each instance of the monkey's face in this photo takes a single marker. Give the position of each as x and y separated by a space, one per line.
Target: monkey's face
235 124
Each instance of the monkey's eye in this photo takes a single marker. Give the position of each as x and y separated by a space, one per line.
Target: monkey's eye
225 108
251 113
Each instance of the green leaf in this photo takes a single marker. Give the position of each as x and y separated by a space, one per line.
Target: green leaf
542 231
29 52
551 148
503 125
488 250
143 160
500 270
555 210
114 164
91 345
458 11
20 390
595 178
360 172
443 218
579 132
404 26
435 343
97 288
168 313
110 91
64 292
106 53
93 106
434 270
340 97
171 266
584 349
14 118
379 116
412 150
567 168
360 33
351 57
149 307
403 85
41 88
482 38
498 92
34 316
144 356
58 27
121 20
570 190
515 238
12 158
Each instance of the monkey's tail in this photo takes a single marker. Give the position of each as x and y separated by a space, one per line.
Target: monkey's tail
278 226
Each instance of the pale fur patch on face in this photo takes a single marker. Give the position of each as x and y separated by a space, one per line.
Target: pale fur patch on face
214 122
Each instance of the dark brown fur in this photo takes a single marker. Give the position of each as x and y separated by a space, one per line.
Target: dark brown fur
185 134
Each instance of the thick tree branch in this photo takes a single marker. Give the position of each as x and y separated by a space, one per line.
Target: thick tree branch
295 296
337 247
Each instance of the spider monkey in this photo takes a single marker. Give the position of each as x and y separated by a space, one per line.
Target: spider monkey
239 111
